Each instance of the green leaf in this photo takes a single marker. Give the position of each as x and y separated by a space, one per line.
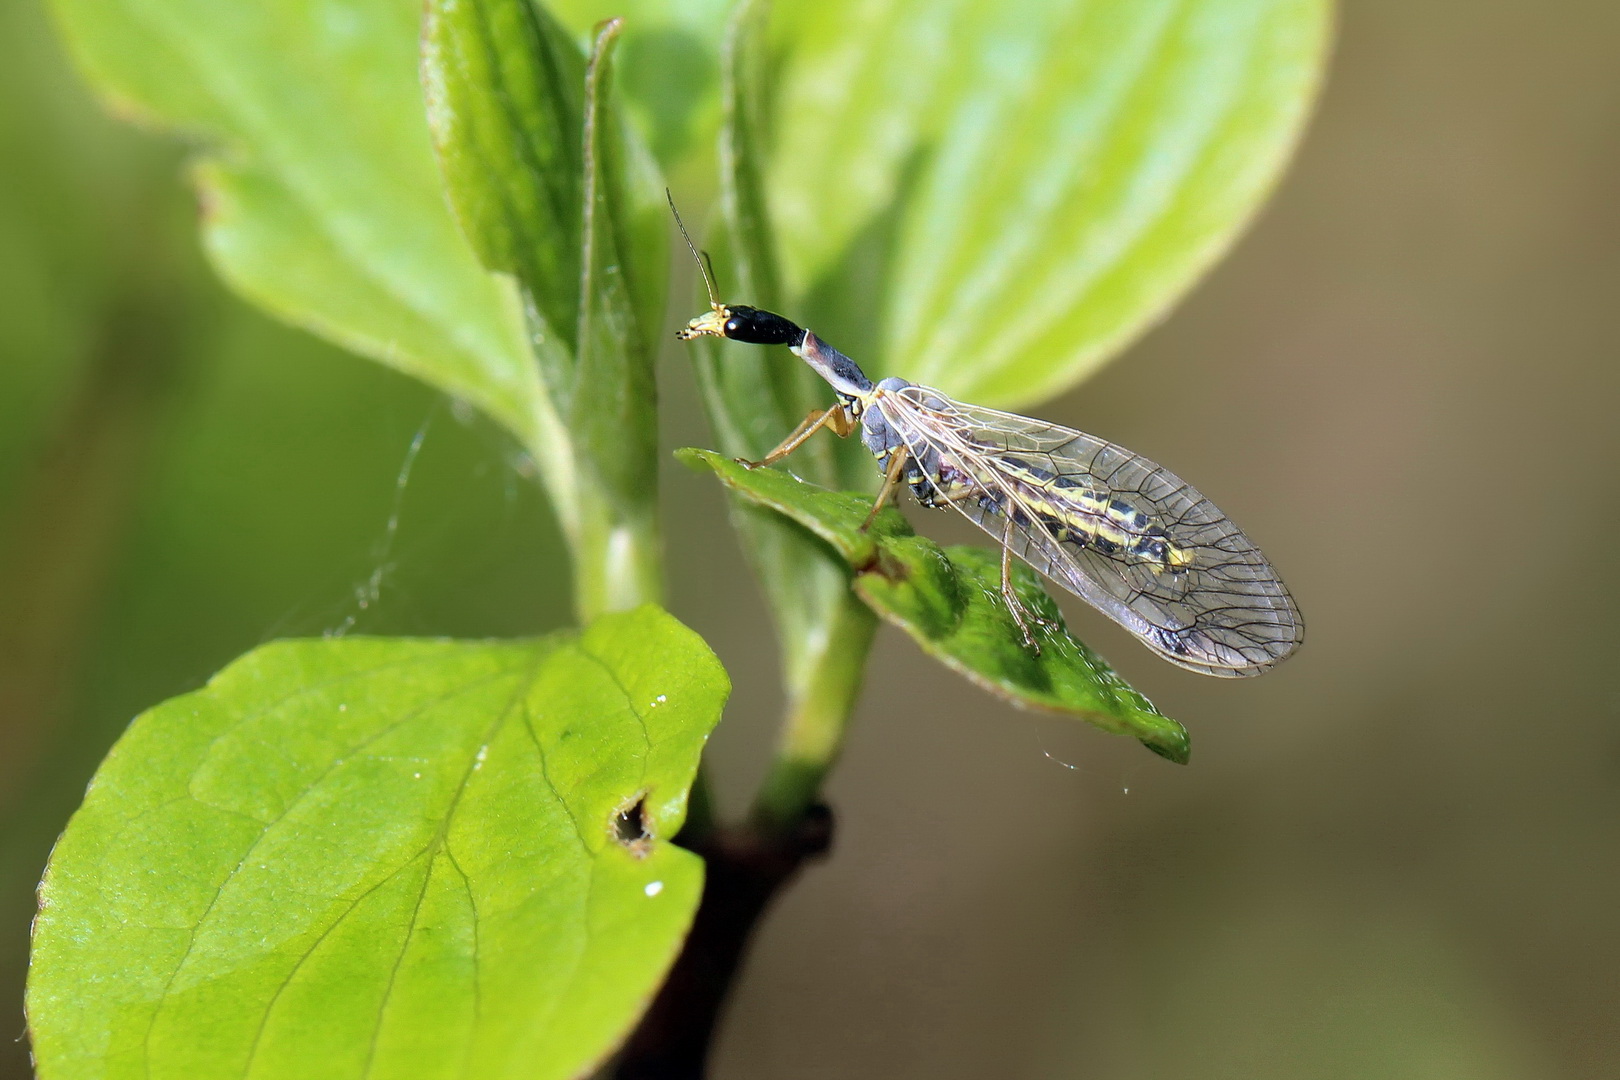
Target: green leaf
994 197
505 93
553 187
323 201
624 262
529 134
949 601
382 858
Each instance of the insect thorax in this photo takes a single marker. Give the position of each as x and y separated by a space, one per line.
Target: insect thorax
933 480
876 431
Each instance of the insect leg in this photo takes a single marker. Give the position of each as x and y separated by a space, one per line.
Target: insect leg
1021 615
835 418
897 466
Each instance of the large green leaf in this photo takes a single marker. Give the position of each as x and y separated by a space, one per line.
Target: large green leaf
994 196
323 201
382 858
949 601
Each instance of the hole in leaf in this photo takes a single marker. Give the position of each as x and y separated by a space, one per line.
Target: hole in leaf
630 825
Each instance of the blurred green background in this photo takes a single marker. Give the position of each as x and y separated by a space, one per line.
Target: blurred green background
1395 857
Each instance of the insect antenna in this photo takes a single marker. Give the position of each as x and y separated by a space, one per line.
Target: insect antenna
706 270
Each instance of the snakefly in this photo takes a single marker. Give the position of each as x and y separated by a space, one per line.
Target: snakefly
1123 534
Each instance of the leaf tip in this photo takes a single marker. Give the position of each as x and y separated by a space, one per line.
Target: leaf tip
1172 746
696 458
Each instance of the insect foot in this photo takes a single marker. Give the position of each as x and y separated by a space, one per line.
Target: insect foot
1024 617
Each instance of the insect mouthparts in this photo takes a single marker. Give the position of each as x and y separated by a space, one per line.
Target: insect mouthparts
709 324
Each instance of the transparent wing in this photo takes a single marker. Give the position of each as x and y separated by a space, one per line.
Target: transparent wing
1091 516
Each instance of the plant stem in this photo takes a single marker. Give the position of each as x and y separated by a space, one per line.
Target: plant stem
618 563
813 733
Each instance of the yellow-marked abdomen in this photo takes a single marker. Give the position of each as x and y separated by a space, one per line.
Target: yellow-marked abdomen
1086 517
